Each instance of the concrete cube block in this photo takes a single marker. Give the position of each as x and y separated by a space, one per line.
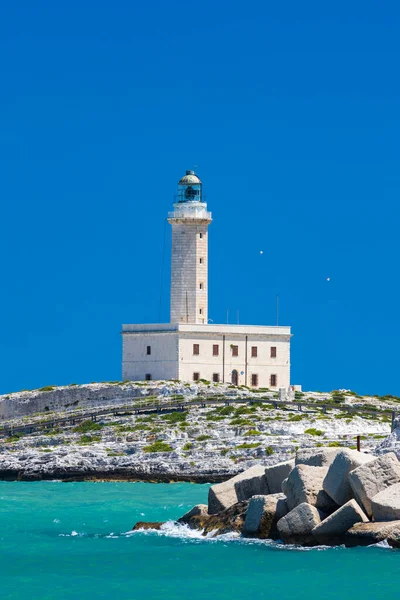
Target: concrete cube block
368 480
304 484
276 474
386 504
263 514
332 529
336 483
316 457
237 489
296 527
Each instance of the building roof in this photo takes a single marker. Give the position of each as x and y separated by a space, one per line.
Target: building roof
189 179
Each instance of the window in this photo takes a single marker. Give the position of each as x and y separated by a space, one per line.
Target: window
215 350
254 351
148 350
273 351
254 380
196 376
273 380
216 377
235 350
201 261
200 235
196 349
201 285
201 311
148 376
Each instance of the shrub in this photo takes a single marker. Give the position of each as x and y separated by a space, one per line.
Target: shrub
253 432
175 417
187 446
203 437
226 410
158 447
313 431
298 395
247 446
88 439
334 444
269 451
294 418
47 388
224 451
86 426
15 437
242 422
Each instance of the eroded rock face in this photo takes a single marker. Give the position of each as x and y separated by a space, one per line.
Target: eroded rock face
304 484
263 514
229 520
296 527
374 477
276 474
365 534
237 489
316 457
336 483
140 525
386 504
331 531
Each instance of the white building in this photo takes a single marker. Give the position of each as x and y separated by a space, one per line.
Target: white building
189 348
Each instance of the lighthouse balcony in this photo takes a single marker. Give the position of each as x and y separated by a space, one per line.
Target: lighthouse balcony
192 213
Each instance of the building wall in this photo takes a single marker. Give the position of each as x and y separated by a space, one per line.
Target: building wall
162 363
263 365
187 272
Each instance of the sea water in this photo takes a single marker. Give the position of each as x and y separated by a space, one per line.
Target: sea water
73 541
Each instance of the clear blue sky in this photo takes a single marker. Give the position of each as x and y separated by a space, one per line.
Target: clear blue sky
290 110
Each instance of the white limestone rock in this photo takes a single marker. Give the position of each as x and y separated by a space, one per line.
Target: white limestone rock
297 526
365 534
304 484
336 483
262 516
238 488
276 474
386 504
332 529
316 457
375 476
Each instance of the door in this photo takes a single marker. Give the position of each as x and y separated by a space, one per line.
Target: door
234 377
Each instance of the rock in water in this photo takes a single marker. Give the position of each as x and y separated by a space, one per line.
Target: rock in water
386 504
263 515
147 525
200 510
365 534
296 527
237 489
229 520
375 476
336 483
304 484
332 530
276 474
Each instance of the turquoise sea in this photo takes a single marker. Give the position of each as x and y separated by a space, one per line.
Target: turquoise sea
70 541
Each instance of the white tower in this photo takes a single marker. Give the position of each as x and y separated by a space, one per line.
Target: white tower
189 260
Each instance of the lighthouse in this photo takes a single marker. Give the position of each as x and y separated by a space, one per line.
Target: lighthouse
189 255
190 348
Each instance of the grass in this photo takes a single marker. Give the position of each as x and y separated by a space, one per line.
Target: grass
86 426
203 437
241 422
247 446
294 418
269 451
334 445
313 431
158 447
15 437
187 446
253 432
47 388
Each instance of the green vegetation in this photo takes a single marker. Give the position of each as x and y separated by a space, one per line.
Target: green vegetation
253 432
294 418
88 439
242 422
298 395
203 437
47 388
158 447
334 444
15 437
269 451
224 451
337 396
313 431
247 446
188 446
175 417
86 426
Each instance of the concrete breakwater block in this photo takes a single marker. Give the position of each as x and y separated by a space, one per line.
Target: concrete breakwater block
336 483
296 527
276 474
331 530
374 477
304 484
386 504
237 489
263 514
365 534
316 457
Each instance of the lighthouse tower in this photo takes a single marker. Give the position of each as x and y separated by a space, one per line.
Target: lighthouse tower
189 259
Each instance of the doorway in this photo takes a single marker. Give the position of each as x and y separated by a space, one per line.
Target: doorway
235 377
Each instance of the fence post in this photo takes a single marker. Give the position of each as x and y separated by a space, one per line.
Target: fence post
359 443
